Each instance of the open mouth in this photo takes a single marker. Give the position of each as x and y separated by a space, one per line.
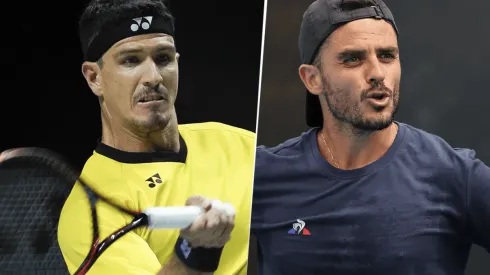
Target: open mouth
378 95
379 99
150 98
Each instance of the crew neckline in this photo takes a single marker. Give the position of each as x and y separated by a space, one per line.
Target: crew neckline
143 157
359 172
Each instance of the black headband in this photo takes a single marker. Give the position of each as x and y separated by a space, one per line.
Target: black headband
113 32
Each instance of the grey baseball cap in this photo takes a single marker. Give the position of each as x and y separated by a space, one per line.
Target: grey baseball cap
319 21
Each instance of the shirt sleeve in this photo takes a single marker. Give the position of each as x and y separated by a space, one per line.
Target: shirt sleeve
129 255
259 196
478 201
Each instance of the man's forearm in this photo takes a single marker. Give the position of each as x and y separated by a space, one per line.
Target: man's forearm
175 267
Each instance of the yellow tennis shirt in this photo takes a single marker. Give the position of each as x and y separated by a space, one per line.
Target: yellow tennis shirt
215 161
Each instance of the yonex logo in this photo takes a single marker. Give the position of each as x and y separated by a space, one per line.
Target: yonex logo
185 248
153 180
299 228
143 22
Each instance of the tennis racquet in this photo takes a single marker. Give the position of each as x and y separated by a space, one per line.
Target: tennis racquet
34 184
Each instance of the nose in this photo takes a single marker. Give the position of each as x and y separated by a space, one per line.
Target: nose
151 75
375 71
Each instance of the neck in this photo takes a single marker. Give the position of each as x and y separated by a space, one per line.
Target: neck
121 138
351 148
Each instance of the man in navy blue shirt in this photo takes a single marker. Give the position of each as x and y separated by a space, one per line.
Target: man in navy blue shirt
360 193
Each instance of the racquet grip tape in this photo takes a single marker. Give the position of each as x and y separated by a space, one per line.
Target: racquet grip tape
198 258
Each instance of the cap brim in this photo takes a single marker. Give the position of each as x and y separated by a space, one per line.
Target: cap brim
314 116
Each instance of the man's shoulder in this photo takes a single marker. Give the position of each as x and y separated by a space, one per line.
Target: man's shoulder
286 157
215 129
291 147
434 145
217 139
430 151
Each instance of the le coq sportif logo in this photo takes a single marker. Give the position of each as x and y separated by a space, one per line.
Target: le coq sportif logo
141 22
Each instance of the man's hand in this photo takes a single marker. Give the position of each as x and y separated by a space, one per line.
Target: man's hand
212 229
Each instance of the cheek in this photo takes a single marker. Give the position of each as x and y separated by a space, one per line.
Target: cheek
118 90
351 80
170 75
348 87
392 81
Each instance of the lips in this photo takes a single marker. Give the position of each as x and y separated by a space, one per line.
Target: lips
378 95
149 98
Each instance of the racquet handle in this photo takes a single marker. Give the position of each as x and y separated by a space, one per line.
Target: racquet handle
179 217
224 207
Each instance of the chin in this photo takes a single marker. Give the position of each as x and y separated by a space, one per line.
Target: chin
153 122
374 122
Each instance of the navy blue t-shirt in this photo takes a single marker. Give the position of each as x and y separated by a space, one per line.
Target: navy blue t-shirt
417 210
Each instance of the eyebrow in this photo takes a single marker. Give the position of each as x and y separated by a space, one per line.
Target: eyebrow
392 50
349 53
353 52
134 50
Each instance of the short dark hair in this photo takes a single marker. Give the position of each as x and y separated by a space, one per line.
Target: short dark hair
99 12
345 5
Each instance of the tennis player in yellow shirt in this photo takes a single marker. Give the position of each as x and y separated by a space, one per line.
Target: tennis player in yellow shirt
145 158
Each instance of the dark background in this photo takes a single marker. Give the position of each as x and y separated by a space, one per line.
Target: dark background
445 71
48 103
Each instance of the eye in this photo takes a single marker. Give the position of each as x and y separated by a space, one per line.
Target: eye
351 59
130 60
163 59
387 57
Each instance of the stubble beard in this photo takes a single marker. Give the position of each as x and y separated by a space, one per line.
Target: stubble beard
348 112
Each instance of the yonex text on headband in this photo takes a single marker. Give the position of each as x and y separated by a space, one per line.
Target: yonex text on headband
113 32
